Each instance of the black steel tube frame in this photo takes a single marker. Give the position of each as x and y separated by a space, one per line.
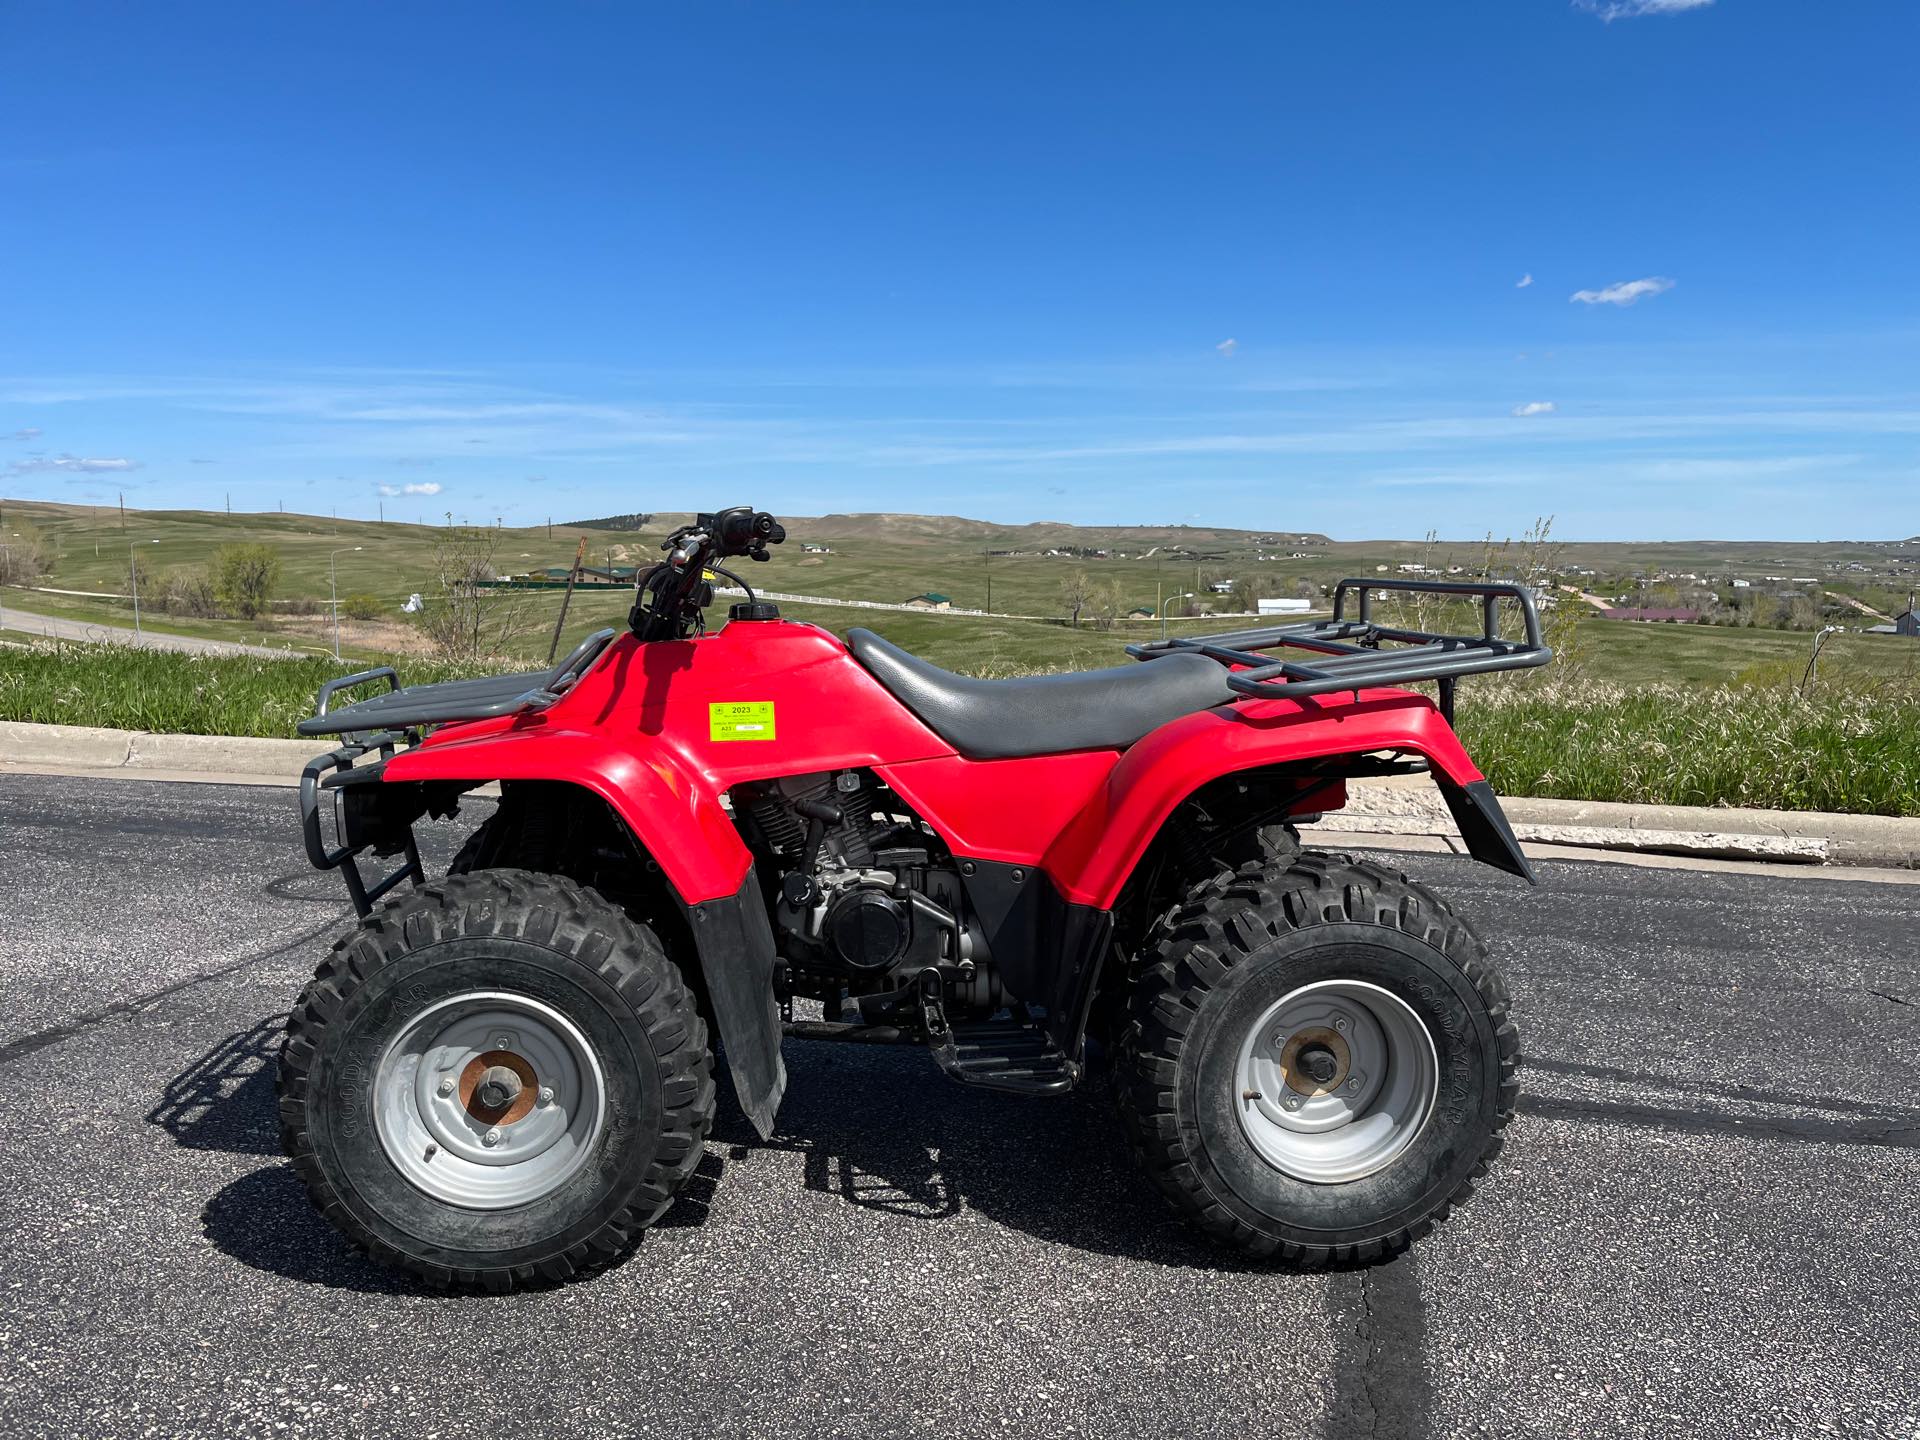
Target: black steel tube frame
342 856
1348 653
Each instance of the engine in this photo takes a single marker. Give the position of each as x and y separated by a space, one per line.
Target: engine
866 896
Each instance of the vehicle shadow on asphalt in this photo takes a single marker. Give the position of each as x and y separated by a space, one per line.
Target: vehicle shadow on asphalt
882 1130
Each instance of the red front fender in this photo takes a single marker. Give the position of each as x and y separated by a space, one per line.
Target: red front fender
679 822
1092 857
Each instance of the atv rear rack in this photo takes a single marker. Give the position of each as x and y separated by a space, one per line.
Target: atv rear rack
1348 651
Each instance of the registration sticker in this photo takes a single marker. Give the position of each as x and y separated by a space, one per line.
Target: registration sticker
740 720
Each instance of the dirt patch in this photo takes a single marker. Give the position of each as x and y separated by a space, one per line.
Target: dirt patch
387 637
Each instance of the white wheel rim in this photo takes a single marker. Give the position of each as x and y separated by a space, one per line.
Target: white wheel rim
437 1130
1379 1075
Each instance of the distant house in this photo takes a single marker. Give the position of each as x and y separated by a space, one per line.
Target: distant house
1284 607
806 549
931 600
1221 587
1141 612
1906 623
1654 617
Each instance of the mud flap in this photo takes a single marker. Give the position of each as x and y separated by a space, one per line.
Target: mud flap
736 958
1483 825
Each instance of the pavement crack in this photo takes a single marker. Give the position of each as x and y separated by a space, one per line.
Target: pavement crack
1370 1349
1380 1383
125 1009
1890 999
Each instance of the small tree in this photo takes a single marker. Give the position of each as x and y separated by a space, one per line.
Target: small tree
1109 600
467 619
24 556
188 590
1076 593
244 577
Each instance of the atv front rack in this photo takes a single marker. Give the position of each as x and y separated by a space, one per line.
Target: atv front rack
488 698
1349 652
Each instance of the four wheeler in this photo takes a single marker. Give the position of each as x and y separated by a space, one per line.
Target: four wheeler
503 1075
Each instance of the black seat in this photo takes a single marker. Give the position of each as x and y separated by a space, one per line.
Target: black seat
1044 714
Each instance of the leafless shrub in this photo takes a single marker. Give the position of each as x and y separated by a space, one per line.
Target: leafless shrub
466 618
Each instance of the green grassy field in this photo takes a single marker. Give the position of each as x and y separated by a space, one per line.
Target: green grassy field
1679 713
888 557
1852 746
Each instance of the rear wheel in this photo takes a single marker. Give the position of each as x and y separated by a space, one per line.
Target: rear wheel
1319 1060
500 1078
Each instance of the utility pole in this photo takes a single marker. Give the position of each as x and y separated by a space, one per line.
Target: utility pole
986 562
133 582
567 599
333 591
123 512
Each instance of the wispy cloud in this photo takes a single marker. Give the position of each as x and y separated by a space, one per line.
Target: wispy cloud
1611 10
424 487
1228 346
1623 293
1533 407
70 464
26 434
1524 281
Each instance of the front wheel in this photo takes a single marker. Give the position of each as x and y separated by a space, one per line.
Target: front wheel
499 1079
1319 1061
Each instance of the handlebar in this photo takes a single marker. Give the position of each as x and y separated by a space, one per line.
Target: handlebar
674 593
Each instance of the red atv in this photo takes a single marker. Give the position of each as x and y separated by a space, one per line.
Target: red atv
504 1075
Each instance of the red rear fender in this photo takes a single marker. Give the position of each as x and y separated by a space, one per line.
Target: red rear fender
1092 858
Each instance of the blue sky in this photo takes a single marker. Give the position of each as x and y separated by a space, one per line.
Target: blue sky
1350 267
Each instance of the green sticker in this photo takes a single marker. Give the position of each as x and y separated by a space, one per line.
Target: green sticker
741 720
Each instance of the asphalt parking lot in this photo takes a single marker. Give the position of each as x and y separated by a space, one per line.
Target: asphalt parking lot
1704 1224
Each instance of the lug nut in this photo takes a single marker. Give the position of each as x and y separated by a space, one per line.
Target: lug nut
492 1137
1341 1024
503 1042
446 1087
1293 1102
1354 1082
546 1095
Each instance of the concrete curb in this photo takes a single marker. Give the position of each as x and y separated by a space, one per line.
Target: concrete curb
1404 806
1410 805
236 759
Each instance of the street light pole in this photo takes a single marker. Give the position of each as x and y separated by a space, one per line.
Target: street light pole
333 591
1813 660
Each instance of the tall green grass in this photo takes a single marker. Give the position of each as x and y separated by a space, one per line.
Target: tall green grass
1853 746
131 689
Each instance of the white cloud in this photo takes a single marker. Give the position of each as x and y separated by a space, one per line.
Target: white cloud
26 434
1228 346
428 487
1623 293
70 464
1524 281
1611 10
1533 407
